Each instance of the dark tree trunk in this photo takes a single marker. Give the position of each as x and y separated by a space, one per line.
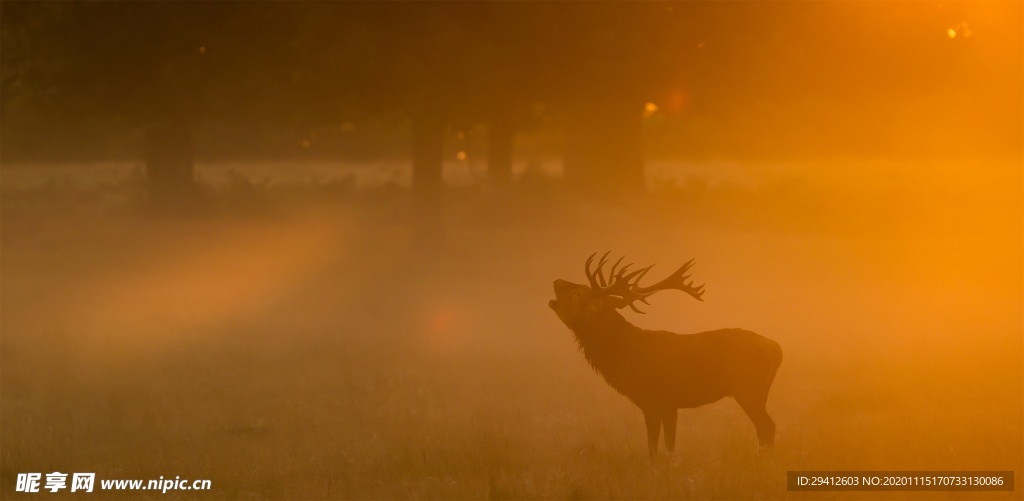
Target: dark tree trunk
604 147
170 176
500 140
427 183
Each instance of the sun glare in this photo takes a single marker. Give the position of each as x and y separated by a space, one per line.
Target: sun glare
650 109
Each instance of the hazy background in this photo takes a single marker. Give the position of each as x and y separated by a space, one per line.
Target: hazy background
321 289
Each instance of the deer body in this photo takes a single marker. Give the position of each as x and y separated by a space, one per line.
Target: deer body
660 371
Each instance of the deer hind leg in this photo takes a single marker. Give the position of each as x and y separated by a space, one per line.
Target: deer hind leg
653 420
763 423
668 421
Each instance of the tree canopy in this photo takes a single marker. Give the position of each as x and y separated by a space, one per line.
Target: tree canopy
726 74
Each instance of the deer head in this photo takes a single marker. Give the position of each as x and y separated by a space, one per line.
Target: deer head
577 304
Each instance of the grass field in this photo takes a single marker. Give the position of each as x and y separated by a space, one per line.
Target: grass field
312 350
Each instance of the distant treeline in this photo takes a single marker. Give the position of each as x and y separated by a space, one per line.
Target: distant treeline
753 139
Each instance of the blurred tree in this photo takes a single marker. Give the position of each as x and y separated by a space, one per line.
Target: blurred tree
144 62
30 65
603 61
167 67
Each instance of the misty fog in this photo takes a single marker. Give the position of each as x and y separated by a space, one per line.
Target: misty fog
305 250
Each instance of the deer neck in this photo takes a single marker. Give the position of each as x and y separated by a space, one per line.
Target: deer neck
604 340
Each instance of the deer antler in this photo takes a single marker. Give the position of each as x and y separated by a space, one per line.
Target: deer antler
626 286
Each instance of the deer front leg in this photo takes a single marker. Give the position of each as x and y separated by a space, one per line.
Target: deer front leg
653 420
669 422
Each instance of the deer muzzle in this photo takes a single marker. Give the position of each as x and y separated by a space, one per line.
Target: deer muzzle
562 288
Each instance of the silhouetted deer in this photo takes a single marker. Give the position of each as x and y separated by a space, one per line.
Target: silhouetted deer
659 371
